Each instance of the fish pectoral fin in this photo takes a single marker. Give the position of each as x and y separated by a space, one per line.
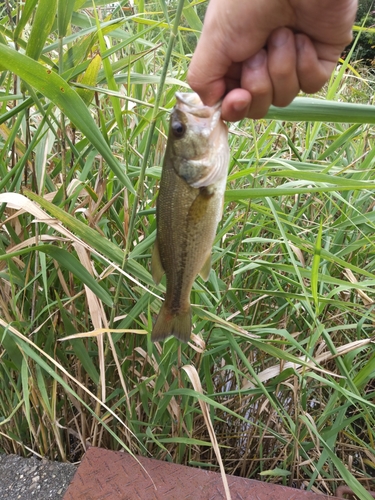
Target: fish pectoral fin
213 172
204 273
157 269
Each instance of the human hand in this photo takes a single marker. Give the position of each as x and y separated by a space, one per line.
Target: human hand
263 52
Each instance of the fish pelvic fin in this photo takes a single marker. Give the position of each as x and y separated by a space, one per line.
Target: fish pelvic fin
204 273
167 324
157 269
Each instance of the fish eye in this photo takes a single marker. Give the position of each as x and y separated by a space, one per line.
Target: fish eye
178 129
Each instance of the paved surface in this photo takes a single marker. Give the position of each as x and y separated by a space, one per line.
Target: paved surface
28 478
111 475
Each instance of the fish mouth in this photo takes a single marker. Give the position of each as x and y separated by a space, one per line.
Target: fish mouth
190 102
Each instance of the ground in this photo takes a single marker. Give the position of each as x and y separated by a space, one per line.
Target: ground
27 478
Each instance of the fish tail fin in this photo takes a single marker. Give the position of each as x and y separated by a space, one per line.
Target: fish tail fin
167 324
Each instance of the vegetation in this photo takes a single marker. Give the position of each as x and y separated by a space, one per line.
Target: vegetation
282 360
365 48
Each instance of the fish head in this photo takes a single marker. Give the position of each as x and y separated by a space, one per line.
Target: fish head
198 140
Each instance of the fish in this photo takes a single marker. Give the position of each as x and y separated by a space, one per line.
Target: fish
189 208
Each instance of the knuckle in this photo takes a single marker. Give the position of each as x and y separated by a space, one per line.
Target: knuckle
260 92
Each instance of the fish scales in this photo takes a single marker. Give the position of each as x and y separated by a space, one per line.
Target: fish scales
189 208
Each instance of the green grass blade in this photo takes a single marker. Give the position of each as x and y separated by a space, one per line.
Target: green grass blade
309 109
109 75
260 193
64 15
315 267
192 17
26 14
41 27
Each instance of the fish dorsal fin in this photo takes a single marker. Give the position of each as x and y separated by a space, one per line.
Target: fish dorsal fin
157 269
204 273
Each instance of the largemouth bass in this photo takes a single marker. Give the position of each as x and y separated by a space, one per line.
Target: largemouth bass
189 208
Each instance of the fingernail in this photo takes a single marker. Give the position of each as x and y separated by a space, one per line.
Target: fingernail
240 105
300 42
280 38
257 60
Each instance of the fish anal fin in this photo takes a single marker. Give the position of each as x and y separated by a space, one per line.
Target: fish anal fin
157 269
204 273
167 324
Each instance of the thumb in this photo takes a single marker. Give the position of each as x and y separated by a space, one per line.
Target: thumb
207 70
